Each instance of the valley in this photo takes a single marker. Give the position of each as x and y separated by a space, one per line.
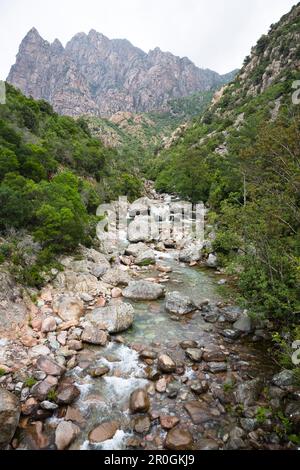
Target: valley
162 337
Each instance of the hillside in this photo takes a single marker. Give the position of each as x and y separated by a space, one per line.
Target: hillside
53 176
242 159
97 76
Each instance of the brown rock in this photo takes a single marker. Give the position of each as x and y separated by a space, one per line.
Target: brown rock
74 415
104 432
166 364
116 293
198 412
29 407
168 422
93 335
68 308
161 385
96 372
67 394
178 439
49 366
65 434
142 424
139 401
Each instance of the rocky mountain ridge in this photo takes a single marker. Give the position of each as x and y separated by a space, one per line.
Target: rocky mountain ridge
97 76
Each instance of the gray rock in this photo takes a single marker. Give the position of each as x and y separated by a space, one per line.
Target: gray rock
212 261
140 230
114 318
146 258
116 277
135 249
284 379
247 393
243 324
191 253
179 304
143 290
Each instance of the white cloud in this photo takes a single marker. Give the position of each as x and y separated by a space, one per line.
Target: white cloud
216 34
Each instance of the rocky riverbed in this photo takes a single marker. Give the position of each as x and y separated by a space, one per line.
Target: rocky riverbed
137 348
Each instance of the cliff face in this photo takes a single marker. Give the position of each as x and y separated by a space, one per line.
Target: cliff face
98 76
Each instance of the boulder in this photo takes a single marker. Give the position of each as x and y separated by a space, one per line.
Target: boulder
212 261
135 249
146 258
13 309
9 416
166 364
66 432
114 318
143 290
178 439
116 277
191 253
69 308
139 401
140 230
243 324
104 432
80 283
96 372
285 378
179 304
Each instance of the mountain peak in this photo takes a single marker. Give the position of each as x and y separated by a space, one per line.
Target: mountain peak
104 76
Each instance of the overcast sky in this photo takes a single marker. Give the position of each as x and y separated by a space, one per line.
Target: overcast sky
215 34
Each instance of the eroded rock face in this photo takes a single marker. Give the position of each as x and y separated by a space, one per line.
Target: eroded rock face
9 416
143 290
114 318
94 75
